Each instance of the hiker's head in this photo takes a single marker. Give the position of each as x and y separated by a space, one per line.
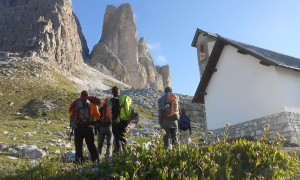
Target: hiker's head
84 93
115 91
182 111
168 89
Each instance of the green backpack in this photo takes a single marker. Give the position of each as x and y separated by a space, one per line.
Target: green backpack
125 108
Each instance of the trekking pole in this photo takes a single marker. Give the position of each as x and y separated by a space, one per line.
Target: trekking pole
71 134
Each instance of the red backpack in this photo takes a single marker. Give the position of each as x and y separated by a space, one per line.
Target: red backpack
81 116
104 111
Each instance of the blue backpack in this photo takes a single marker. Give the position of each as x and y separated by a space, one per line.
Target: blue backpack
184 122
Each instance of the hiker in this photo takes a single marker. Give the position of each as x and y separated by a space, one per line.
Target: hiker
105 129
185 129
118 127
168 116
82 111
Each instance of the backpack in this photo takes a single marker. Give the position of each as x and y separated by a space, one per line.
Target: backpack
104 119
125 108
169 106
184 122
81 116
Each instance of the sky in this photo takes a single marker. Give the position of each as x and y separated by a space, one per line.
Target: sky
169 27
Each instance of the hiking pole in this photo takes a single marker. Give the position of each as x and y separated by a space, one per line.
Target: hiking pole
71 134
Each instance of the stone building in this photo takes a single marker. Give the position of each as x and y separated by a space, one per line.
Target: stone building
247 87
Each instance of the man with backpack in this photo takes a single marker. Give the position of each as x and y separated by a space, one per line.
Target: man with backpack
168 116
82 113
184 127
119 124
105 129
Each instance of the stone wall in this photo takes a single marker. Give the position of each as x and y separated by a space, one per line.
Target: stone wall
286 124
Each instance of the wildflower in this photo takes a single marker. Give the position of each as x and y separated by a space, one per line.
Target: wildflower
267 126
137 163
248 174
227 124
202 163
152 134
210 132
153 146
162 132
166 169
132 149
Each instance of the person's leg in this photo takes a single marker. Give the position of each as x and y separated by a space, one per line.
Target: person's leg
166 137
173 132
78 141
116 133
109 141
123 140
90 142
184 137
101 136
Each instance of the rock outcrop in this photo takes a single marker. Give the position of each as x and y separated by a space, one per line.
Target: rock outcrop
47 29
119 47
166 75
104 60
154 79
120 35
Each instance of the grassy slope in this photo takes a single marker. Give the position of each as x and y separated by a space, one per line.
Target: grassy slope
34 98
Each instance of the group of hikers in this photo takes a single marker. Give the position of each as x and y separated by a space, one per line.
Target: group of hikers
110 118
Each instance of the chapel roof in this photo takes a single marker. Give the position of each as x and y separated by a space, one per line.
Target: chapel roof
265 56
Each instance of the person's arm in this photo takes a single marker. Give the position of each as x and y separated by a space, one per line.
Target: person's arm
94 111
109 113
190 127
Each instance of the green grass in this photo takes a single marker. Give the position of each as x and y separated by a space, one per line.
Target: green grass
30 97
238 159
144 113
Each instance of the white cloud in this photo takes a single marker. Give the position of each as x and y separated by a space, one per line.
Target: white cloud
153 46
161 60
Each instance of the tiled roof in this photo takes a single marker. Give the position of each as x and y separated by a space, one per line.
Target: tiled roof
273 57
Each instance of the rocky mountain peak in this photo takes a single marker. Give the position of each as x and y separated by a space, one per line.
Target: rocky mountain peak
119 34
143 50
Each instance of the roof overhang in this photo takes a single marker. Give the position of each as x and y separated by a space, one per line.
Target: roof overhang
214 58
197 33
208 72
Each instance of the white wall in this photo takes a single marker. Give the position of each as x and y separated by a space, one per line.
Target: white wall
289 82
241 90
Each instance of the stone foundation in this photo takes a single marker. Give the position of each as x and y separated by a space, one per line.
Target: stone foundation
286 124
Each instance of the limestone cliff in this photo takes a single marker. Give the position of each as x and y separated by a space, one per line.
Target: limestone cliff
104 60
119 36
154 79
166 75
43 28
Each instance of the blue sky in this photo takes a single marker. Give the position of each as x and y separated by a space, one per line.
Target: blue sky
169 27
